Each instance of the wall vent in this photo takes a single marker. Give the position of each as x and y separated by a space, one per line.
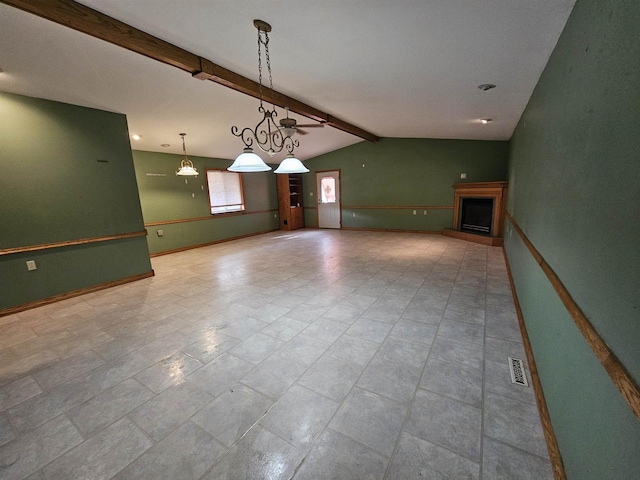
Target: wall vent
518 375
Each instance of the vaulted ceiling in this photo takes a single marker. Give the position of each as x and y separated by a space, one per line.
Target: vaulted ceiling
407 68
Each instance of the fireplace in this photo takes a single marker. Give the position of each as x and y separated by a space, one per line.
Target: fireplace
478 212
476 215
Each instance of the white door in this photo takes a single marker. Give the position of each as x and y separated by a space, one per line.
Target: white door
328 190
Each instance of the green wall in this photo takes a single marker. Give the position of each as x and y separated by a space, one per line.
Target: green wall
167 197
405 172
574 190
67 174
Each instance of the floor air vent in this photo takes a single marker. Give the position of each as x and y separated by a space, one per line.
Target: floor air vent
518 375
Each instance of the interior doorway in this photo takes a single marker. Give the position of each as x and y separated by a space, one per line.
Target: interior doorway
329 203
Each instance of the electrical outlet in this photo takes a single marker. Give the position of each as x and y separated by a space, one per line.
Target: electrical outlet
414 212
424 212
311 194
31 265
193 195
160 232
354 214
275 215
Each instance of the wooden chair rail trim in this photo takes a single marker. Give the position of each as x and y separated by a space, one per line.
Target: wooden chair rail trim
398 207
91 22
74 293
614 367
547 427
210 217
68 243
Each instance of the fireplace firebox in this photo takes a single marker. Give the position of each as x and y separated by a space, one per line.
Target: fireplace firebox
476 215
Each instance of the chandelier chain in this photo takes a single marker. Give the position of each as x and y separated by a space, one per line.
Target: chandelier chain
267 135
260 64
264 42
266 54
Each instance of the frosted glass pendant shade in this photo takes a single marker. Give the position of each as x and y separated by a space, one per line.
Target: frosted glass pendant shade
248 162
291 165
187 171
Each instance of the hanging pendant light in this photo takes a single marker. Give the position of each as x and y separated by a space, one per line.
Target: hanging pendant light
291 165
186 166
266 135
248 161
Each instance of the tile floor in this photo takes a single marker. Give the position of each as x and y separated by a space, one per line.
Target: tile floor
307 355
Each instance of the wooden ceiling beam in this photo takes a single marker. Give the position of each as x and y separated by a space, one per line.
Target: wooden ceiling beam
87 20
218 74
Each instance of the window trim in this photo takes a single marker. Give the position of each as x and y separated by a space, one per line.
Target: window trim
224 170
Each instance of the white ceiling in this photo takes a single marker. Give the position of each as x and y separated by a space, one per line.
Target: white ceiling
403 68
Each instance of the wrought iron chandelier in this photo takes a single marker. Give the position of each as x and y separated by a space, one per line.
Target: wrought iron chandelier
186 166
267 135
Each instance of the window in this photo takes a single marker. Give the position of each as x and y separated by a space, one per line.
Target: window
225 191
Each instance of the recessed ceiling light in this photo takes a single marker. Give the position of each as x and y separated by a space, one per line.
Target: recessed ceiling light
165 145
486 86
486 120
135 136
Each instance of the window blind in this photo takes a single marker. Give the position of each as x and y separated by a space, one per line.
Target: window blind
225 191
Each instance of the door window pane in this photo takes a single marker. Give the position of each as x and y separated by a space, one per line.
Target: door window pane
328 185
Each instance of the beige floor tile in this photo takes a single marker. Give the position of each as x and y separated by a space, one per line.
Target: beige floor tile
368 352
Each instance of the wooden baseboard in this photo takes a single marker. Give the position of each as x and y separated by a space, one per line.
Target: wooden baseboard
552 444
618 373
470 237
390 230
208 244
74 293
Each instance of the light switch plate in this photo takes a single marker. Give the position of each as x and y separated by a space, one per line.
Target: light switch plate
31 265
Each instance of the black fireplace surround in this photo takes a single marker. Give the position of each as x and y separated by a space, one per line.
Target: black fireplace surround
476 215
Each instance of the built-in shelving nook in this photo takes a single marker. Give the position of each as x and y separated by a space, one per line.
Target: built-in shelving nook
290 204
478 212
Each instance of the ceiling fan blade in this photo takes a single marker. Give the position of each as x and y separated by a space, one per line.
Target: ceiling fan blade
310 125
300 131
297 131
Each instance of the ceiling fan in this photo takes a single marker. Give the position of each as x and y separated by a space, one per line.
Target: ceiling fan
289 126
